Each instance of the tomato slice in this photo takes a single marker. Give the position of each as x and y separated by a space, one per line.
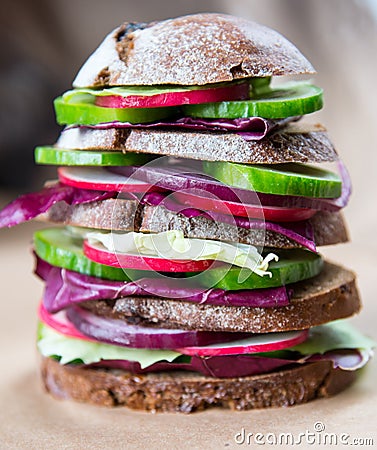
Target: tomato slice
269 342
238 91
99 179
101 255
269 213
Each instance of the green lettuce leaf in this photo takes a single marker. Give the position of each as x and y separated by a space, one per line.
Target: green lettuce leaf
50 343
172 244
334 336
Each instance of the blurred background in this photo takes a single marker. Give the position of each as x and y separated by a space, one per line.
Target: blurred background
43 43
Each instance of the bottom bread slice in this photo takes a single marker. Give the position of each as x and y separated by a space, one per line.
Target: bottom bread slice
188 391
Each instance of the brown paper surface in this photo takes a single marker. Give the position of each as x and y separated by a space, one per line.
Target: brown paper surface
29 418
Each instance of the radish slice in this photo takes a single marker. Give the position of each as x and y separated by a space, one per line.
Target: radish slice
238 91
268 342
99 179
119 332
99 254
60 323
269 213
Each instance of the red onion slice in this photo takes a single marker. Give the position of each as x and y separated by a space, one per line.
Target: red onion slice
118 332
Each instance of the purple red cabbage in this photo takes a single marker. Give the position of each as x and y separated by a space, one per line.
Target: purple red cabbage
229 366
250 128
233 366
29 206
64 288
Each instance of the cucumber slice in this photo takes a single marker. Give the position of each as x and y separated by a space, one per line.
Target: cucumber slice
68 157
84 112
290 99
293 266
60 248
281 179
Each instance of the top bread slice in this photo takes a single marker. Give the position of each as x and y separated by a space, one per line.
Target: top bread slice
191 50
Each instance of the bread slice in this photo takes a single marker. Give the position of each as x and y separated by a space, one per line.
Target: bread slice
331 295
187 392
204 48
328 228
300 143
124 215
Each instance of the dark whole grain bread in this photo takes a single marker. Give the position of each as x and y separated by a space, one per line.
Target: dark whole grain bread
329 296
328 228
104 215
301 143
124 215
192 50
189 392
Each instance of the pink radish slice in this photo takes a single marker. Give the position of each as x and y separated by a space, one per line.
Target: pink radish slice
101 255
234 92
268 342
99 179
269 213
60 323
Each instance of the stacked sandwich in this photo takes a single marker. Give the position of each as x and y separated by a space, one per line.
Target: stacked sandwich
191 201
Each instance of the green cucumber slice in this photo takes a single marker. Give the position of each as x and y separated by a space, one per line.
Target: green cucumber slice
293 266
69 157
84 112
60 248
290 99
281 179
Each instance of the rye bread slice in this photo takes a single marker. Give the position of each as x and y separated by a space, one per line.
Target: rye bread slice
329 296
299 143
187 392
328 228
191 50
106 214
124 215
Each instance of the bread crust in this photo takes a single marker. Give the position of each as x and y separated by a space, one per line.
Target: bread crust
293 143
192 50
187 392
329 296
123 215
328 228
